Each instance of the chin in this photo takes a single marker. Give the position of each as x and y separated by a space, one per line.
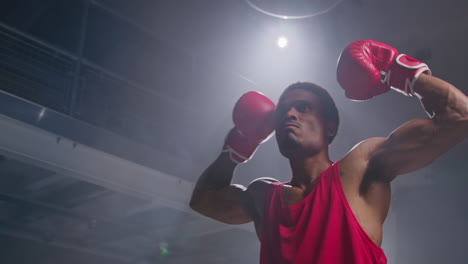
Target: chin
292 149
289 149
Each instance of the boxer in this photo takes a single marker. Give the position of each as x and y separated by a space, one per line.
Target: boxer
330 212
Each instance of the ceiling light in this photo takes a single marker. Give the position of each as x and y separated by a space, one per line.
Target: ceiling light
282 42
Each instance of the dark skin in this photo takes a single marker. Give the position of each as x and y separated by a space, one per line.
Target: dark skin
366 170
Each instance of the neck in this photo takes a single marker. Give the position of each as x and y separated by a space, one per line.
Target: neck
306 170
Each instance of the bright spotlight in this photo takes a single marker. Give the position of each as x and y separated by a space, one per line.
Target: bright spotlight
282 42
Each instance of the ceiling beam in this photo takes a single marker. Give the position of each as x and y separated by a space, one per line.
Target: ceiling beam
41 148
35 146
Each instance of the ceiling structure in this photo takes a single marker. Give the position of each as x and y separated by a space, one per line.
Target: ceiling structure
111 109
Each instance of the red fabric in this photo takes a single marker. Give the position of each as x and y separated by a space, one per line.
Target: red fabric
321 229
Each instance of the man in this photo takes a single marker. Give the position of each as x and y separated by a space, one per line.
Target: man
330 212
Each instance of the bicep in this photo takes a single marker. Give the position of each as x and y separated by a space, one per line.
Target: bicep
412 146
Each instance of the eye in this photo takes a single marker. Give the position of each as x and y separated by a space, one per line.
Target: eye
303 107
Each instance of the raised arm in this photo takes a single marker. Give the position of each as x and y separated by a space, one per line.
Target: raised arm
214 195
379 67
417 143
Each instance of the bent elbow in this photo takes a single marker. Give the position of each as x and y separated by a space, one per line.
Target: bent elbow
461 114
194 203
464 118
200 203
461 122
464 128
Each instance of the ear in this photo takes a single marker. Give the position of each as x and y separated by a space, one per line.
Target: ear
331 129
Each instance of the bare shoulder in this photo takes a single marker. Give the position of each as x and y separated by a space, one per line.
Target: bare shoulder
257 190
260 185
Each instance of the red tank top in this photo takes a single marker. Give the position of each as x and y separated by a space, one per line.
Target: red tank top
321 229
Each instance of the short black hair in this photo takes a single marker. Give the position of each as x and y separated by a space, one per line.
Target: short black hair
330 112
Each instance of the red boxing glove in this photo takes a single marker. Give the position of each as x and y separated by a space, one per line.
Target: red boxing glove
253 117
367 68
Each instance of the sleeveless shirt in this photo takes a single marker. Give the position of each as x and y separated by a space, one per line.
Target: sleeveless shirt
320 229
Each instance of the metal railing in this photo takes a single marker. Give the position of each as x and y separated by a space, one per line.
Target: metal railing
34 71
46 75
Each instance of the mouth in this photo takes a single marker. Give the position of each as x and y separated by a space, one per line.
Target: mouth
290 125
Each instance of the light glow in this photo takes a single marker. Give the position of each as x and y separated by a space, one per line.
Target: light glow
282 42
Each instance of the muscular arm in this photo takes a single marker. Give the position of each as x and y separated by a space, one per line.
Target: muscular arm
214 195
418 142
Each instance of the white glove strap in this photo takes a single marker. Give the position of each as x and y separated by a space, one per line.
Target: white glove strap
422 68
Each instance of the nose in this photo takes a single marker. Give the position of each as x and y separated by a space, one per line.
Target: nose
291 114
286 115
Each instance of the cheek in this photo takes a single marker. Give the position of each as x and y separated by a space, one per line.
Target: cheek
314 130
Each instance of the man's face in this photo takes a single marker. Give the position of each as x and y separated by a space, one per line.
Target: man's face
300 128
